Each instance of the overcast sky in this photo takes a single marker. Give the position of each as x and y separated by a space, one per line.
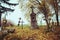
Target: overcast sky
14 16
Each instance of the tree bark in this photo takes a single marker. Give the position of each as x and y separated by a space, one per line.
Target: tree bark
47 23
46 17
5 1
0 21
56 11
57 18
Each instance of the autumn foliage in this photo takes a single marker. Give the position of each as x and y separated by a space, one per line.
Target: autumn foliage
29 34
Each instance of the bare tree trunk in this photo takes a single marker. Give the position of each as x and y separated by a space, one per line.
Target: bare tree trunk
47 23
57 18
0 21
56 11
46 18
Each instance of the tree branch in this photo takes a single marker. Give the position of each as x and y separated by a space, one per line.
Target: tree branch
5 1
38 2
3 9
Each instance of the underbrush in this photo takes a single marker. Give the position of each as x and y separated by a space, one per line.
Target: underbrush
28 34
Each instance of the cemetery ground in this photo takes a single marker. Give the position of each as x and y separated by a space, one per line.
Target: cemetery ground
30 34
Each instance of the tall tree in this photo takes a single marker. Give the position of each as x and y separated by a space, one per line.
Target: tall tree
54 3
44 8
5 9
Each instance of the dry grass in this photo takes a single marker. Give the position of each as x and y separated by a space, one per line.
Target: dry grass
29 34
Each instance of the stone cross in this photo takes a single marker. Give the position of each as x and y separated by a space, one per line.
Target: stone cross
32 8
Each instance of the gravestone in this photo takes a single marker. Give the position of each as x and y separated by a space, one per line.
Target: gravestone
33 20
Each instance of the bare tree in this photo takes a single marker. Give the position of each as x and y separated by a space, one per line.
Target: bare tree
4 9
44 8
54 4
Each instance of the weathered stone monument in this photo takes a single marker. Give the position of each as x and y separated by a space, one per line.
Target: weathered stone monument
33 20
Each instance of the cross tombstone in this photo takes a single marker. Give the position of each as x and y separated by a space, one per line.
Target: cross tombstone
33 19
32 8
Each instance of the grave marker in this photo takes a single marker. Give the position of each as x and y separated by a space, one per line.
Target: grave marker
33 19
